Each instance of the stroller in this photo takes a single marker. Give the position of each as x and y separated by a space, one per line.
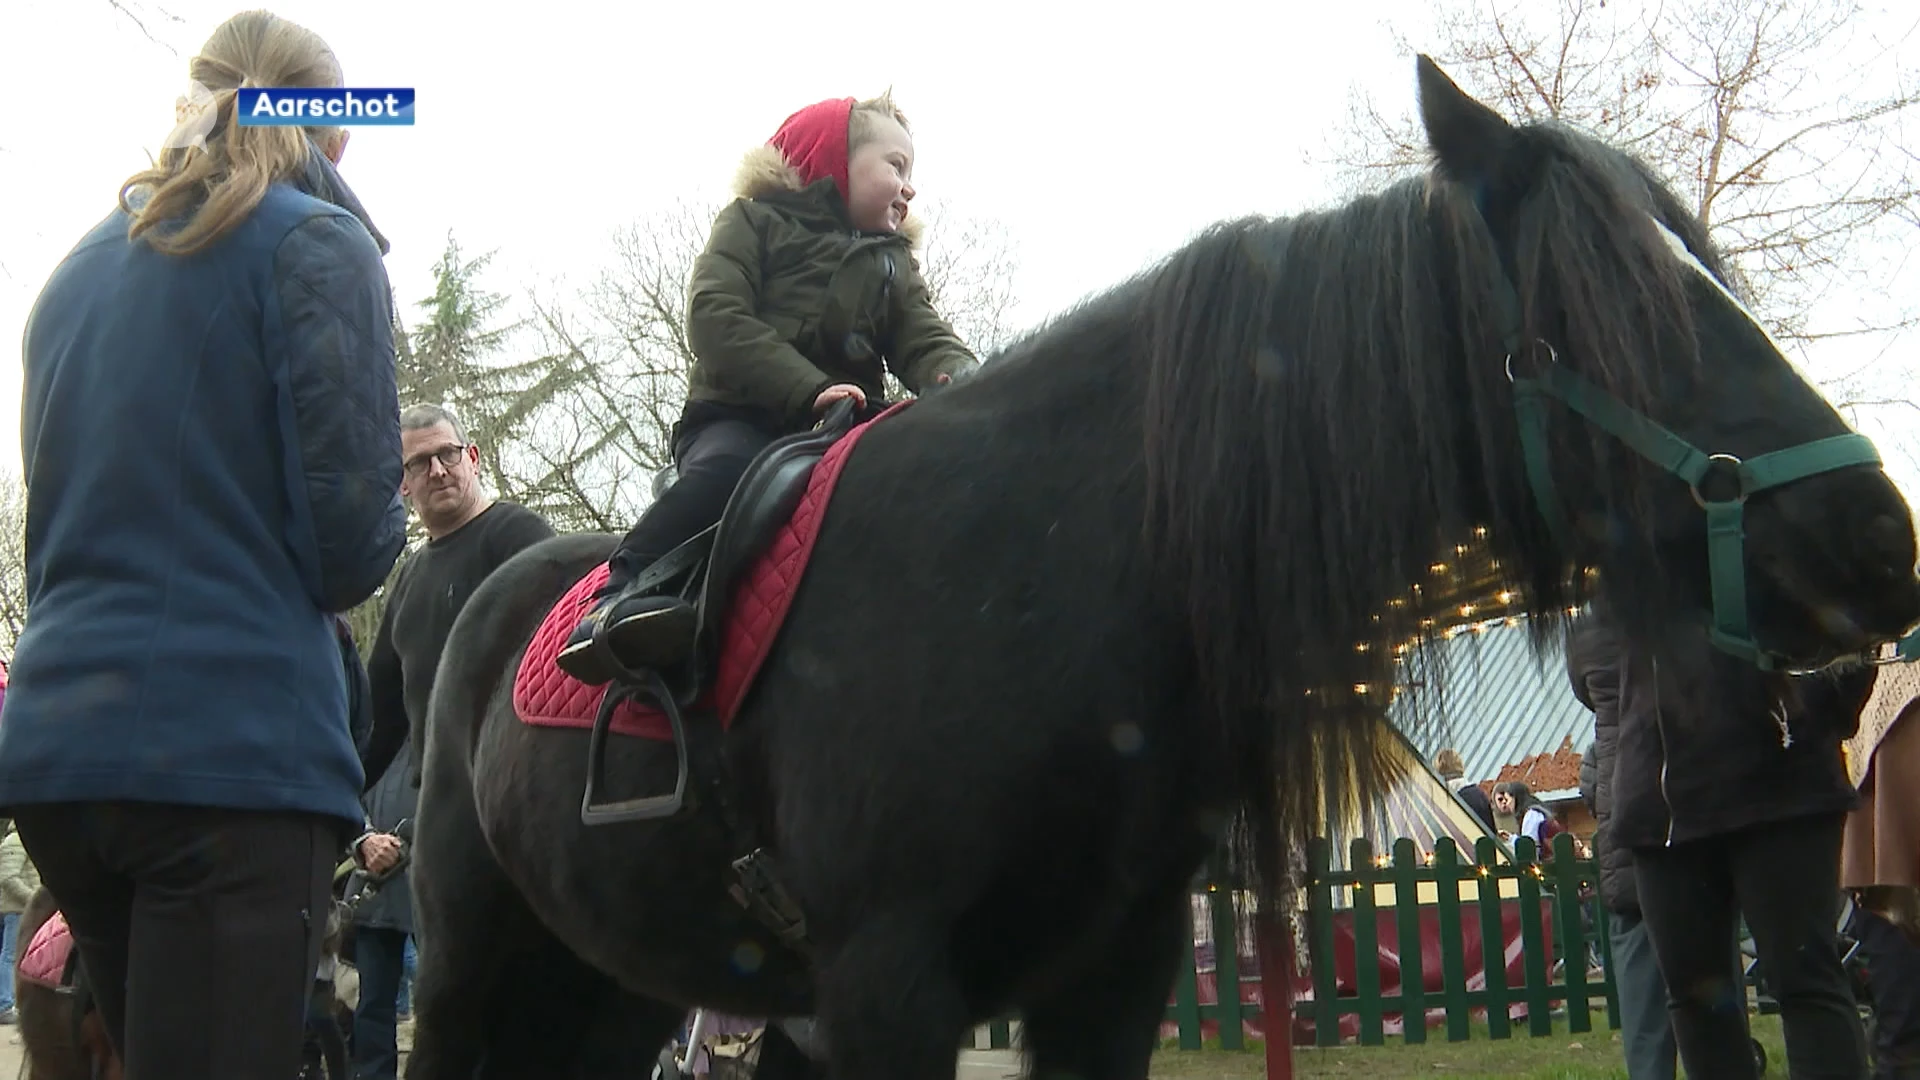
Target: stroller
710 1045
721 1047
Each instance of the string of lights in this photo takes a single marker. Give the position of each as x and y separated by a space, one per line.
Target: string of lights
1465 594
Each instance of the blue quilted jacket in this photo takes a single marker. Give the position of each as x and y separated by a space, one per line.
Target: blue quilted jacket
212 454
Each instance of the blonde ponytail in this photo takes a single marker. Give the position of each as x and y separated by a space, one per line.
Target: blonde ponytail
214 186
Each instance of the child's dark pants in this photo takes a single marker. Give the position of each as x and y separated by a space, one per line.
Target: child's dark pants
711 459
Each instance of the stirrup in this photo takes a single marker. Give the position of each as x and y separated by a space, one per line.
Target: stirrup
645 808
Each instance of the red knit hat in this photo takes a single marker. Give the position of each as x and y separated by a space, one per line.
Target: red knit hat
814 141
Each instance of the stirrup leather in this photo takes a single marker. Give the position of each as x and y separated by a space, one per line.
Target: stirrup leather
684 568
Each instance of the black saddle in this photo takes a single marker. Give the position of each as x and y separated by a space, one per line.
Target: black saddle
704 571
762 503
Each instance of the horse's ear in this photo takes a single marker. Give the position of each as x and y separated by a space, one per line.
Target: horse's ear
1469 139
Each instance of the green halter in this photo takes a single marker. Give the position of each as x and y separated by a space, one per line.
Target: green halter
1726 532
1726 517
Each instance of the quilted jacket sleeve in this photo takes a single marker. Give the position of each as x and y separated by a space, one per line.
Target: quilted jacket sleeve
339 409
1597 785
738 348
1594 666
1593 671
924 346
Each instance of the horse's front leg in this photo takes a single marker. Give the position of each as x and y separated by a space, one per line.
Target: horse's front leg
889 1002
1105 1025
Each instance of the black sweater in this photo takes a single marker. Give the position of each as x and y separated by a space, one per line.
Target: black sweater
430 589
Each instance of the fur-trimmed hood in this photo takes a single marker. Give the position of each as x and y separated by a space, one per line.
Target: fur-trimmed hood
765 171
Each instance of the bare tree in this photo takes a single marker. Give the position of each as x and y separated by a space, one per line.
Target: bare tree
140 14
625 334
970 264
1778 122
467 355
13 560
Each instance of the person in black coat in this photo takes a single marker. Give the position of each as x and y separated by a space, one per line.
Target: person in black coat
1646 1035
1729 788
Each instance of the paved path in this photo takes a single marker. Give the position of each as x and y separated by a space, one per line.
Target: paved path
973 1064
987 1065
10 1054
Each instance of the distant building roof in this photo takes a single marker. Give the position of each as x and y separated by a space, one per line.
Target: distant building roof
1542 773
1503 706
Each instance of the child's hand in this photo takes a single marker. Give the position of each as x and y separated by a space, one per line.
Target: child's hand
836 392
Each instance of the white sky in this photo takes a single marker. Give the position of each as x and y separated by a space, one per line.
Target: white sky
1101 140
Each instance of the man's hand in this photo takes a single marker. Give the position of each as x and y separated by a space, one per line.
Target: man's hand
379 852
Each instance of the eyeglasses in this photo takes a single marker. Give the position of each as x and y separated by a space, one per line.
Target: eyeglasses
447 456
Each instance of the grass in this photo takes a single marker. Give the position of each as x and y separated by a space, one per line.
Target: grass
1593 1055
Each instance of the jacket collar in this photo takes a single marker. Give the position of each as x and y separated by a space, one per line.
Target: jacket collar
322 181
765 175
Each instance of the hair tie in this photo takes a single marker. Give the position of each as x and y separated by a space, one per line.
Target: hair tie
194 115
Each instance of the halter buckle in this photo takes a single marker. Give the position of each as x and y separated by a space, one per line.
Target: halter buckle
1739 482
1553 357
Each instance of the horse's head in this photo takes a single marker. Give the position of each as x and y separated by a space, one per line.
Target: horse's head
1665 437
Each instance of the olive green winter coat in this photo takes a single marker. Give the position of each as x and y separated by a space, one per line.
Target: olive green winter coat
788 299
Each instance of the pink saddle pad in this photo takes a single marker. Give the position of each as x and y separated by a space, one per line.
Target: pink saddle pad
545 696
45 960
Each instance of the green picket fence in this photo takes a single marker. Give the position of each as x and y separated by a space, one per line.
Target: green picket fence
1413 895
1553 917
1230 929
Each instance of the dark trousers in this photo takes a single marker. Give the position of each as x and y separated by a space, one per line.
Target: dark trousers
1646 1034
1785 878
1893 969
710 459
380 955
199 929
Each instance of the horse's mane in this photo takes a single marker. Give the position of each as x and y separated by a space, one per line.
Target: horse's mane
1327 412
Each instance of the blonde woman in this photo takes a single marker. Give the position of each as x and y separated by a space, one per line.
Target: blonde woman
212 447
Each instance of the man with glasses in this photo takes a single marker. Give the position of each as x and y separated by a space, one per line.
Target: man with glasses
469 534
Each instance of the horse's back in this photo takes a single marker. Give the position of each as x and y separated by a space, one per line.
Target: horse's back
482 653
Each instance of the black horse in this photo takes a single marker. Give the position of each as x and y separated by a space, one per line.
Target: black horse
1128 591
